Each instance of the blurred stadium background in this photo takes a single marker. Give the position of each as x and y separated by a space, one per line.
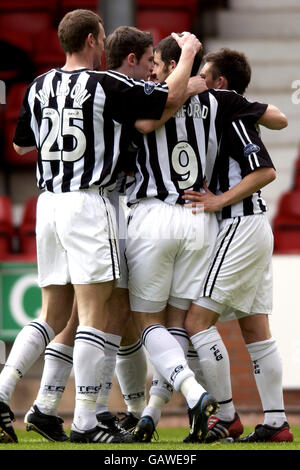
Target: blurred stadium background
267 31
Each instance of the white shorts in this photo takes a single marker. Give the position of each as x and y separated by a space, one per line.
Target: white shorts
76 238
240 273
119 204
168 251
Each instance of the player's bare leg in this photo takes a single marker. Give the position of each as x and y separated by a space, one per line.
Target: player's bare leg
67 335
92 303
255 328
199 319
118 312
131 333
57 302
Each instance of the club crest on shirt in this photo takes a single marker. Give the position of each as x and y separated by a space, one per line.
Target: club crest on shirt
251 148
149 87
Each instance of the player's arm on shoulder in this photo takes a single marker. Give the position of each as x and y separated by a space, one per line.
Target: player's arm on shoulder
250 184
273 118
23 150
196 85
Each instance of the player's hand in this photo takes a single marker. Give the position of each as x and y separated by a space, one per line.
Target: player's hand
181 38
196 85
187 40
206 201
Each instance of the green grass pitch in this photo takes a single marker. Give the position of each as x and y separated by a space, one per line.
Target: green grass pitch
170 439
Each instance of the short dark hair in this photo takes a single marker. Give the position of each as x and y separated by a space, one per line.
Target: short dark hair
169 50
124 41
231 64
75 27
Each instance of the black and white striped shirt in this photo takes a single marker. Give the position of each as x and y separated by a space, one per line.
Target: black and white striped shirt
75 120
178 155
241 152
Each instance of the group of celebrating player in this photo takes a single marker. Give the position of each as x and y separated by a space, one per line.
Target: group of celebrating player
195 247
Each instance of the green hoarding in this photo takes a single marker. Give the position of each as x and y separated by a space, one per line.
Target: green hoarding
20 297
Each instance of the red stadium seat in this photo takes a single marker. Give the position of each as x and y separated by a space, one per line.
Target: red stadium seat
2 117
191 5
31 23
20 40
26 231
9 5
287 240
10 155
90 4
14 100
288 209
286 224
68 5
16 60
297 180
48 52
13 105
297 175
6 226
162 22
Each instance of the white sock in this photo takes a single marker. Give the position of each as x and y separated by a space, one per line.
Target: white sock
112 343
88 360
215 367
161 391
154 408
194 365
191 390
57 368
28 346
131 370
166 355
181 337
160 387
268 377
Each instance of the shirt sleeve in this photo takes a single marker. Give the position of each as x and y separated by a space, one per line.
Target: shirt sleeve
24 136
245 145
129 99
234 106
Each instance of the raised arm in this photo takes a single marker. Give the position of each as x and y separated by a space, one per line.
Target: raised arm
178 80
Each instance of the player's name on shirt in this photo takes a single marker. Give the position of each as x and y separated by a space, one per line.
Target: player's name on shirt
78 92
194 110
